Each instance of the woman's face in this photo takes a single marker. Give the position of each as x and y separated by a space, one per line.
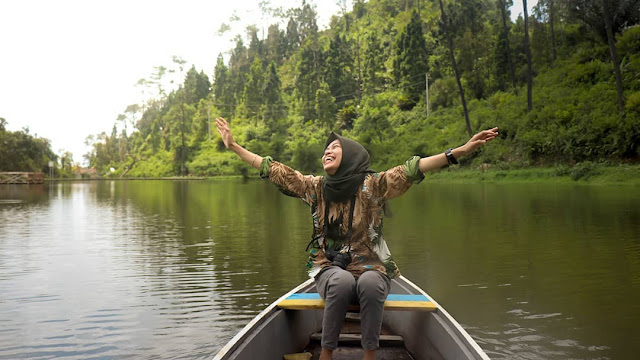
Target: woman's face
332 157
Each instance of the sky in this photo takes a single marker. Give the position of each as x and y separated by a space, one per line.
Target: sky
68 68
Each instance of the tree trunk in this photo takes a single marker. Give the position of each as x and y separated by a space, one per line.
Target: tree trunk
553 34
126 171
359 74
614 53
527 50
455 69
512 71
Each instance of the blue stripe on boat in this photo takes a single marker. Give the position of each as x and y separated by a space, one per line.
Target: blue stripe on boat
403 297
390 297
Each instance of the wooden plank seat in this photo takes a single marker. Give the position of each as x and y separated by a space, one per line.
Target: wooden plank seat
356 339
394 302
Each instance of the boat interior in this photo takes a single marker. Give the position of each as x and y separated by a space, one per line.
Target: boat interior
295 334
391 344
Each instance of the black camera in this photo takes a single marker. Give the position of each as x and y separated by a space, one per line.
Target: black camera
338 258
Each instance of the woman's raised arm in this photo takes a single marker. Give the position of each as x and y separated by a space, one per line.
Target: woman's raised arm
437 161
247 156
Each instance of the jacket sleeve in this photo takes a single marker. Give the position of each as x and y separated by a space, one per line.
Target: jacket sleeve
397 180
289 181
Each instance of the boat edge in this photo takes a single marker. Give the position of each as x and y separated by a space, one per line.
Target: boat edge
451 319
235 341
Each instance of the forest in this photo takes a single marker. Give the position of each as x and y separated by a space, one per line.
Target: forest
21 151
404 78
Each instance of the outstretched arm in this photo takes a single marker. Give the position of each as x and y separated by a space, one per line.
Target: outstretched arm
289 181
478 140
247 156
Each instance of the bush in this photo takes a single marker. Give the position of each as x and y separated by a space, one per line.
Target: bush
629 41
405 102
633 103
583 170
590 73
628 44
562 170
156 165
346 116
443 93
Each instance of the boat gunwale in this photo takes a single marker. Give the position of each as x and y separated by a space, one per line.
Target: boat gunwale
451 321
235 342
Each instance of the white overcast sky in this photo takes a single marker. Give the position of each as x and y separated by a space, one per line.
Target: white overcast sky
69 67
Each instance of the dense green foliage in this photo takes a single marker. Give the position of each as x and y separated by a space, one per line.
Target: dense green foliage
364 76
23 152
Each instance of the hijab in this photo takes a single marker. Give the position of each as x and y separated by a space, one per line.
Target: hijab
354 167
344 184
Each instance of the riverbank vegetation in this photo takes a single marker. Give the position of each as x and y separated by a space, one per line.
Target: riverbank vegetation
23 152
582 173
562 84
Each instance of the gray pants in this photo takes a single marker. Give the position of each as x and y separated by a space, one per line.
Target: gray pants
339 288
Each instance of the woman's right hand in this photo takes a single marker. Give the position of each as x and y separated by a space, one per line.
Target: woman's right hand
225 132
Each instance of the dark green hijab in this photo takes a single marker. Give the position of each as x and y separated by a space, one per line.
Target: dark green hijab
350 175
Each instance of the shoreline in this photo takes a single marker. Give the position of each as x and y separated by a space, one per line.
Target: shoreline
592 174
582 175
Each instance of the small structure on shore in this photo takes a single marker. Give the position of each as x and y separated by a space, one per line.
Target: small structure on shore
86 173
21 178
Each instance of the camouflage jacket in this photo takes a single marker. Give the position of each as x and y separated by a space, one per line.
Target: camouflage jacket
368 248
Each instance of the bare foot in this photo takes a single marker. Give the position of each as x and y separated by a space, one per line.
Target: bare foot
326 354
369 355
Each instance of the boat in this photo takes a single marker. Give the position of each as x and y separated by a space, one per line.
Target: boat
414 327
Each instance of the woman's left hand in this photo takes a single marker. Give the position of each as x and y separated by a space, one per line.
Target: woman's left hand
479 139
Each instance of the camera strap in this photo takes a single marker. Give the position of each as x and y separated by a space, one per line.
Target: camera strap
313 238
350 229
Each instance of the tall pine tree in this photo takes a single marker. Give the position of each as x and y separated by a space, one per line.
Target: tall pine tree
222 91
253 89
373 65
272 96
339 69
411 64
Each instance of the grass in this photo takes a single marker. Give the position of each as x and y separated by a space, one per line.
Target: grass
586 173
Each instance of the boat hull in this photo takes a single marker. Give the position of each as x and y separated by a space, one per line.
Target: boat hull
427 335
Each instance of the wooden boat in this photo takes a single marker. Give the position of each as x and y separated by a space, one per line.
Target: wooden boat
414 327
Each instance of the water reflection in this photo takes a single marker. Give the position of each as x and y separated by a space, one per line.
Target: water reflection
529 269
172 269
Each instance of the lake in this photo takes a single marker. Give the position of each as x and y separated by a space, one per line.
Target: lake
149 269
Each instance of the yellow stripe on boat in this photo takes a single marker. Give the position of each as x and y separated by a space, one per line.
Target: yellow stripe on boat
301 304
394 302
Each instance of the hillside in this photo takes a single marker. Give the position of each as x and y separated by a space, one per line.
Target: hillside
366 75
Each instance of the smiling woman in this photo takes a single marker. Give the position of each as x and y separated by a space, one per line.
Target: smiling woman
349 258
332 157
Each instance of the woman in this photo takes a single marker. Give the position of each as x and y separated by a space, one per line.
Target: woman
349 258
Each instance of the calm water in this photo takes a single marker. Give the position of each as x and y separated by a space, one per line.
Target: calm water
170 270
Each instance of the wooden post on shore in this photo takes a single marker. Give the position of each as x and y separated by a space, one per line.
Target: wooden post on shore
426 76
